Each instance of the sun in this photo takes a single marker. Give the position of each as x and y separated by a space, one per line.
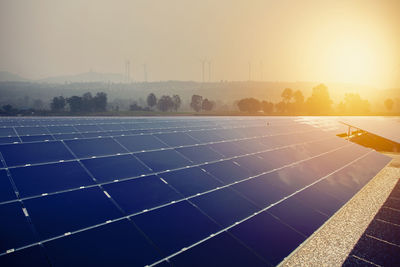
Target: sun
355 61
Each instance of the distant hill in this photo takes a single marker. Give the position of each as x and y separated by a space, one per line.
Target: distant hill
11 77
87 77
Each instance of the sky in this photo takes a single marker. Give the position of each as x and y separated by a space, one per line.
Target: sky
354 41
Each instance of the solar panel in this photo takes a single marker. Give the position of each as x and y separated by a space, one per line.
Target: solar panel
163 160
7 132
160 194
112 244
386 127
155 191
35 152
191 181
6 189
58 214
115 167
84 148
140 142
49 178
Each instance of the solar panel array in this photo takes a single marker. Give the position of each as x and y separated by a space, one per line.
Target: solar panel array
170 191
380 243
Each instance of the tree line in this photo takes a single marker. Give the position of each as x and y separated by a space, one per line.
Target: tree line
164 103
319 103
172 103
85 103
292 102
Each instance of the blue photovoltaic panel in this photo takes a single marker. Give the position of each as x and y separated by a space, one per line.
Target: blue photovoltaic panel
268 237
36 138
6 189
49 178
111 127
380 243
7 132
163 160
30 153
227 171
94 134
58 214
228 149
160 194
88 128
199 154
122 192
9 140
61 129
190 181
326 204
32 256
174 234
113 244
67 136
205 136
177 139
242 190
302 218
94 147
263 190
225 206
15 230
251 145
140 142
223 250
31 130
115 167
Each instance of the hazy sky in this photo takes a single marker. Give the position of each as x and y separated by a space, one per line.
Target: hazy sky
327 41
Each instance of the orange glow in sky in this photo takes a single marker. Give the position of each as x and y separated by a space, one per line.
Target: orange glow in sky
322 41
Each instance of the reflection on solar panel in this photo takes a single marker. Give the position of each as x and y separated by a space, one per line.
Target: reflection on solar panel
160 191
385 127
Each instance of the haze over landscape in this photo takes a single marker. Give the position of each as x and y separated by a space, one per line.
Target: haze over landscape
223 51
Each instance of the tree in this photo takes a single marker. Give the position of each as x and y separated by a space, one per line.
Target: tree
281 106
267 107
298 105
298 97
151 100
354 104
38 104
58 103
177 102
287 95
250 105
135 107
165 103
8 108
87 102
207 105
319 102
389 104
341 108
196 103
100 101
75 103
